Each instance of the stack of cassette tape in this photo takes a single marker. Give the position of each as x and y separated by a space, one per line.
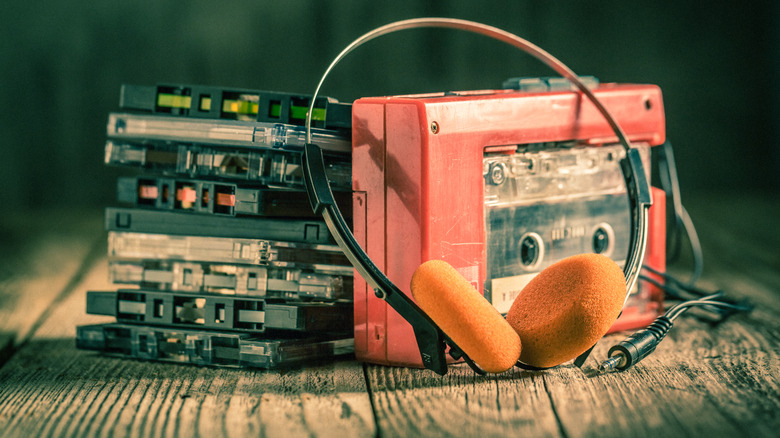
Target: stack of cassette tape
217 255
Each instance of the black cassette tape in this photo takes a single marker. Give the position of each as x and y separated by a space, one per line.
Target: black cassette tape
219 311
218 197
270 167
182 223
235 104
211 348
243 280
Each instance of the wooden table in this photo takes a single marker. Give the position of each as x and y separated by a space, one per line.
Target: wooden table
701 381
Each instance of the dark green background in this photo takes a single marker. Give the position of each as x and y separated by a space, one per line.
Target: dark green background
62 62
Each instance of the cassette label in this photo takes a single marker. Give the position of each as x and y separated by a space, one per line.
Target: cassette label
219 311
210 348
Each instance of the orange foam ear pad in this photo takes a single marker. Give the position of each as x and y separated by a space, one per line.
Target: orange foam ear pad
465 316
567 308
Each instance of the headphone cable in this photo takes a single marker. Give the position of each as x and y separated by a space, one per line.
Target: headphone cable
639 345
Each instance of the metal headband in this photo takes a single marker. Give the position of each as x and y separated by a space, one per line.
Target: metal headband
430 338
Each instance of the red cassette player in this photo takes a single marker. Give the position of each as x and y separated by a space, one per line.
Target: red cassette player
500 184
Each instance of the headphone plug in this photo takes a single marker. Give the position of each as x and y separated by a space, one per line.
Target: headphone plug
634 348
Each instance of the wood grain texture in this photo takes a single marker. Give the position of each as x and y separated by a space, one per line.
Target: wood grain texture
75 393
41 258
49 388
412 402
702 380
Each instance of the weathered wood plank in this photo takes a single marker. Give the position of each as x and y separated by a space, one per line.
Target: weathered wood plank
411 402
50 387
698 382
701 381
42 253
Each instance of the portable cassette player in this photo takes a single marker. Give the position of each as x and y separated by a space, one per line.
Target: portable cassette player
500 184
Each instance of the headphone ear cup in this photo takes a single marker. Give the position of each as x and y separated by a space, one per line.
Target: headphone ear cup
465 316
567 308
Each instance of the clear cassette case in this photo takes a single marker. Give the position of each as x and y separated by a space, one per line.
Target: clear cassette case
139 246
271 167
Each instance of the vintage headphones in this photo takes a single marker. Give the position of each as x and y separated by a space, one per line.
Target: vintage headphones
448 312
